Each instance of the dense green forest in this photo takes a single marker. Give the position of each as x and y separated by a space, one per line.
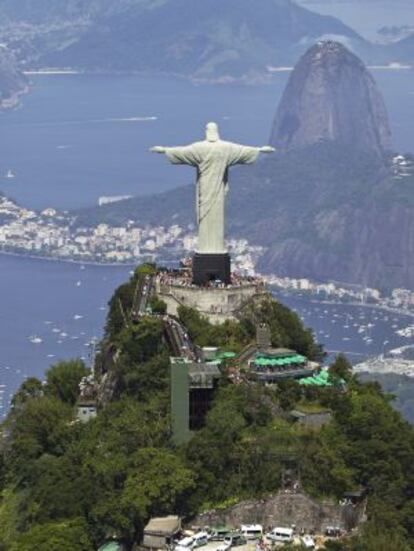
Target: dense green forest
67 485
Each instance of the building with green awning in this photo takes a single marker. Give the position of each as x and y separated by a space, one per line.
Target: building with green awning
275 364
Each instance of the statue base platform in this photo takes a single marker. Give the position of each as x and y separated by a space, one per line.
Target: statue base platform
216 302
211 267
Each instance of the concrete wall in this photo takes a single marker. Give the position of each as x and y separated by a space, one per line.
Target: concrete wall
218 304
180 402
286 509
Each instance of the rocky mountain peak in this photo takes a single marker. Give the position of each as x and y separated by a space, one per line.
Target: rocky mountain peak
331 96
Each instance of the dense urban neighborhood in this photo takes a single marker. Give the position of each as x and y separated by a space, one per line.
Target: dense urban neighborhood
53 234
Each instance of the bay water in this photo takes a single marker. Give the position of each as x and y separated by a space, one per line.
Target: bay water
78 137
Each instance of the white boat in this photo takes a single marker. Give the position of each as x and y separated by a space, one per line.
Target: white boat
10 174
77 317
34 339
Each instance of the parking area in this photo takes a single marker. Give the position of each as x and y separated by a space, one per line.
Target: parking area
212 546
266 545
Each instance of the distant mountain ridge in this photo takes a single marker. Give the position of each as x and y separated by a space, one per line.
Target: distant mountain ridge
213 40
205 39
54 11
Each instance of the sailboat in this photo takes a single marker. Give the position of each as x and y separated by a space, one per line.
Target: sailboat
10 174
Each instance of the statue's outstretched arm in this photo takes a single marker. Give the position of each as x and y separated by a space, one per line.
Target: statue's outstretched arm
267 149
158 149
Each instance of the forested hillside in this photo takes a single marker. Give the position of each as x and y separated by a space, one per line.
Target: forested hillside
68 485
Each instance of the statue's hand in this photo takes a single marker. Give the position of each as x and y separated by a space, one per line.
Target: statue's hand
158 149
267 149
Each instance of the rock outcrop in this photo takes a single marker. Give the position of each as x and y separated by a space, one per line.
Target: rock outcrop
331 96
286 509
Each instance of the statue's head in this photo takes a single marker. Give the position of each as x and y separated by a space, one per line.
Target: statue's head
212 132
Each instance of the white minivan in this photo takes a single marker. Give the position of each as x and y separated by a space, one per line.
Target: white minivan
280 534
200 539
185 544
252 531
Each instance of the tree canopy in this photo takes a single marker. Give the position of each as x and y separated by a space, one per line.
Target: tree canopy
62 481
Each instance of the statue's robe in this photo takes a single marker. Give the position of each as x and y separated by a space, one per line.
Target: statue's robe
212 160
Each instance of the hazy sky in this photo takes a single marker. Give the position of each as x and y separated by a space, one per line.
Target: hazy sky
366 16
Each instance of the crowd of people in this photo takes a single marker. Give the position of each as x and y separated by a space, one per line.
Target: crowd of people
184 278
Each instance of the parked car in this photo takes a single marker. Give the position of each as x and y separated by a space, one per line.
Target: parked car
200 539
224 546
308 542
252 531
234 540
185 544
280 534
219 533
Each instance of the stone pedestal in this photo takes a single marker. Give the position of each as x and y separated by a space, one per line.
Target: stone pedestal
217 304
211 267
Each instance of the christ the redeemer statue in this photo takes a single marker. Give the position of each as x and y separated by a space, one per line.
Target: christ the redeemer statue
212 158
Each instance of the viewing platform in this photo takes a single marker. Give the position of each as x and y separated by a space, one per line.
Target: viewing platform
217 301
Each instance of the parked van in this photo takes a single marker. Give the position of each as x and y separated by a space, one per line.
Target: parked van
279 534
235 540
185 544
219 533
252 531
200 539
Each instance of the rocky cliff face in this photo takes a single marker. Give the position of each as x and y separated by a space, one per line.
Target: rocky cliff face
331 96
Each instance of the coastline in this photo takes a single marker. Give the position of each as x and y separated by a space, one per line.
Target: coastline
68 260
138 261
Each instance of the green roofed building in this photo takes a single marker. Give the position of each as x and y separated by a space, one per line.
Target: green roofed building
276 364
321 379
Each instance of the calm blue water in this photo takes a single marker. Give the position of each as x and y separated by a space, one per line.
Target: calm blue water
73 139
60 303
358 331
70 143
